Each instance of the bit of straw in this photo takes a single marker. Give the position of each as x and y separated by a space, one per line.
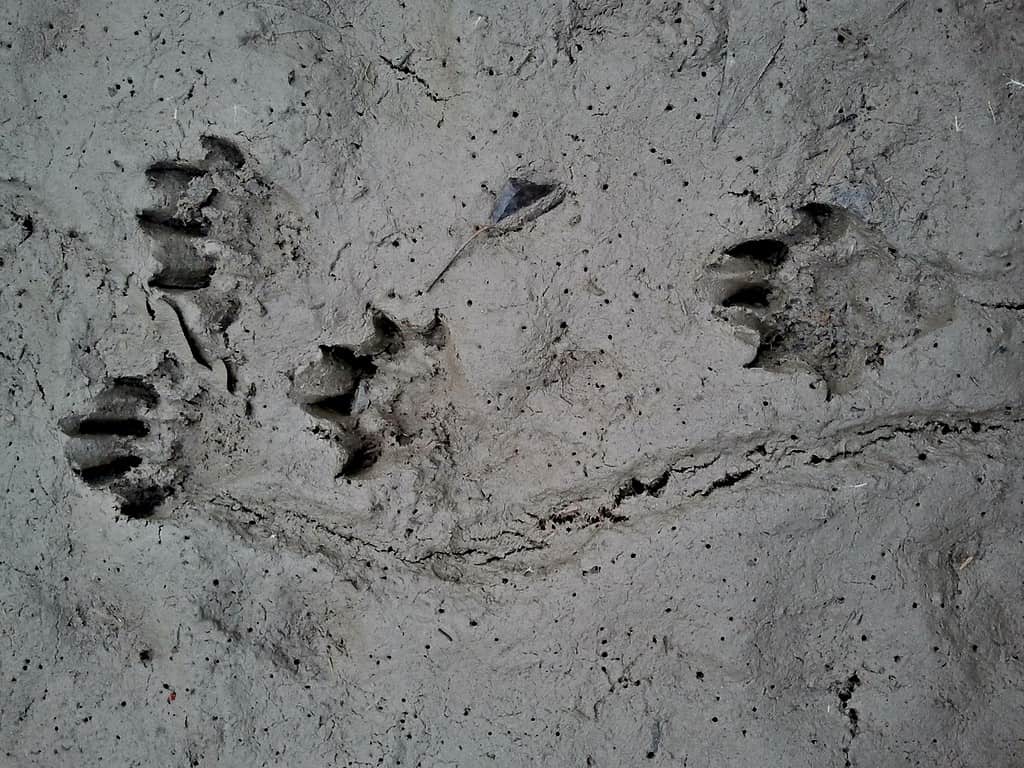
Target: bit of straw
458 252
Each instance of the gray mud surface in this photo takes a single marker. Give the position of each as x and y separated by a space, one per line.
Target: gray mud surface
705 450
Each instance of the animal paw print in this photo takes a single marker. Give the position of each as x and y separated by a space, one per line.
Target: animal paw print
214 225
365 396
190 205
830 296
120 445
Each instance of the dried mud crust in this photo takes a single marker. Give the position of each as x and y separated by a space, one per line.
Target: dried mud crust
829 296
726 572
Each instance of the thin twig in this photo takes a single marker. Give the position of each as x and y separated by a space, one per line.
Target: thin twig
899 7
455 256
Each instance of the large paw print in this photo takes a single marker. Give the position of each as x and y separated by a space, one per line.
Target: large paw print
122 444
215 225
829 296
190 202
364 396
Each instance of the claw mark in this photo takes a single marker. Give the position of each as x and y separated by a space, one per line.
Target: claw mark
765 250
190 338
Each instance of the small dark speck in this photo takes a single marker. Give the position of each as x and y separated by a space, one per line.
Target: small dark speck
28 227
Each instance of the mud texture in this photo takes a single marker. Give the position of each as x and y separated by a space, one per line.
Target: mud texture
587 383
